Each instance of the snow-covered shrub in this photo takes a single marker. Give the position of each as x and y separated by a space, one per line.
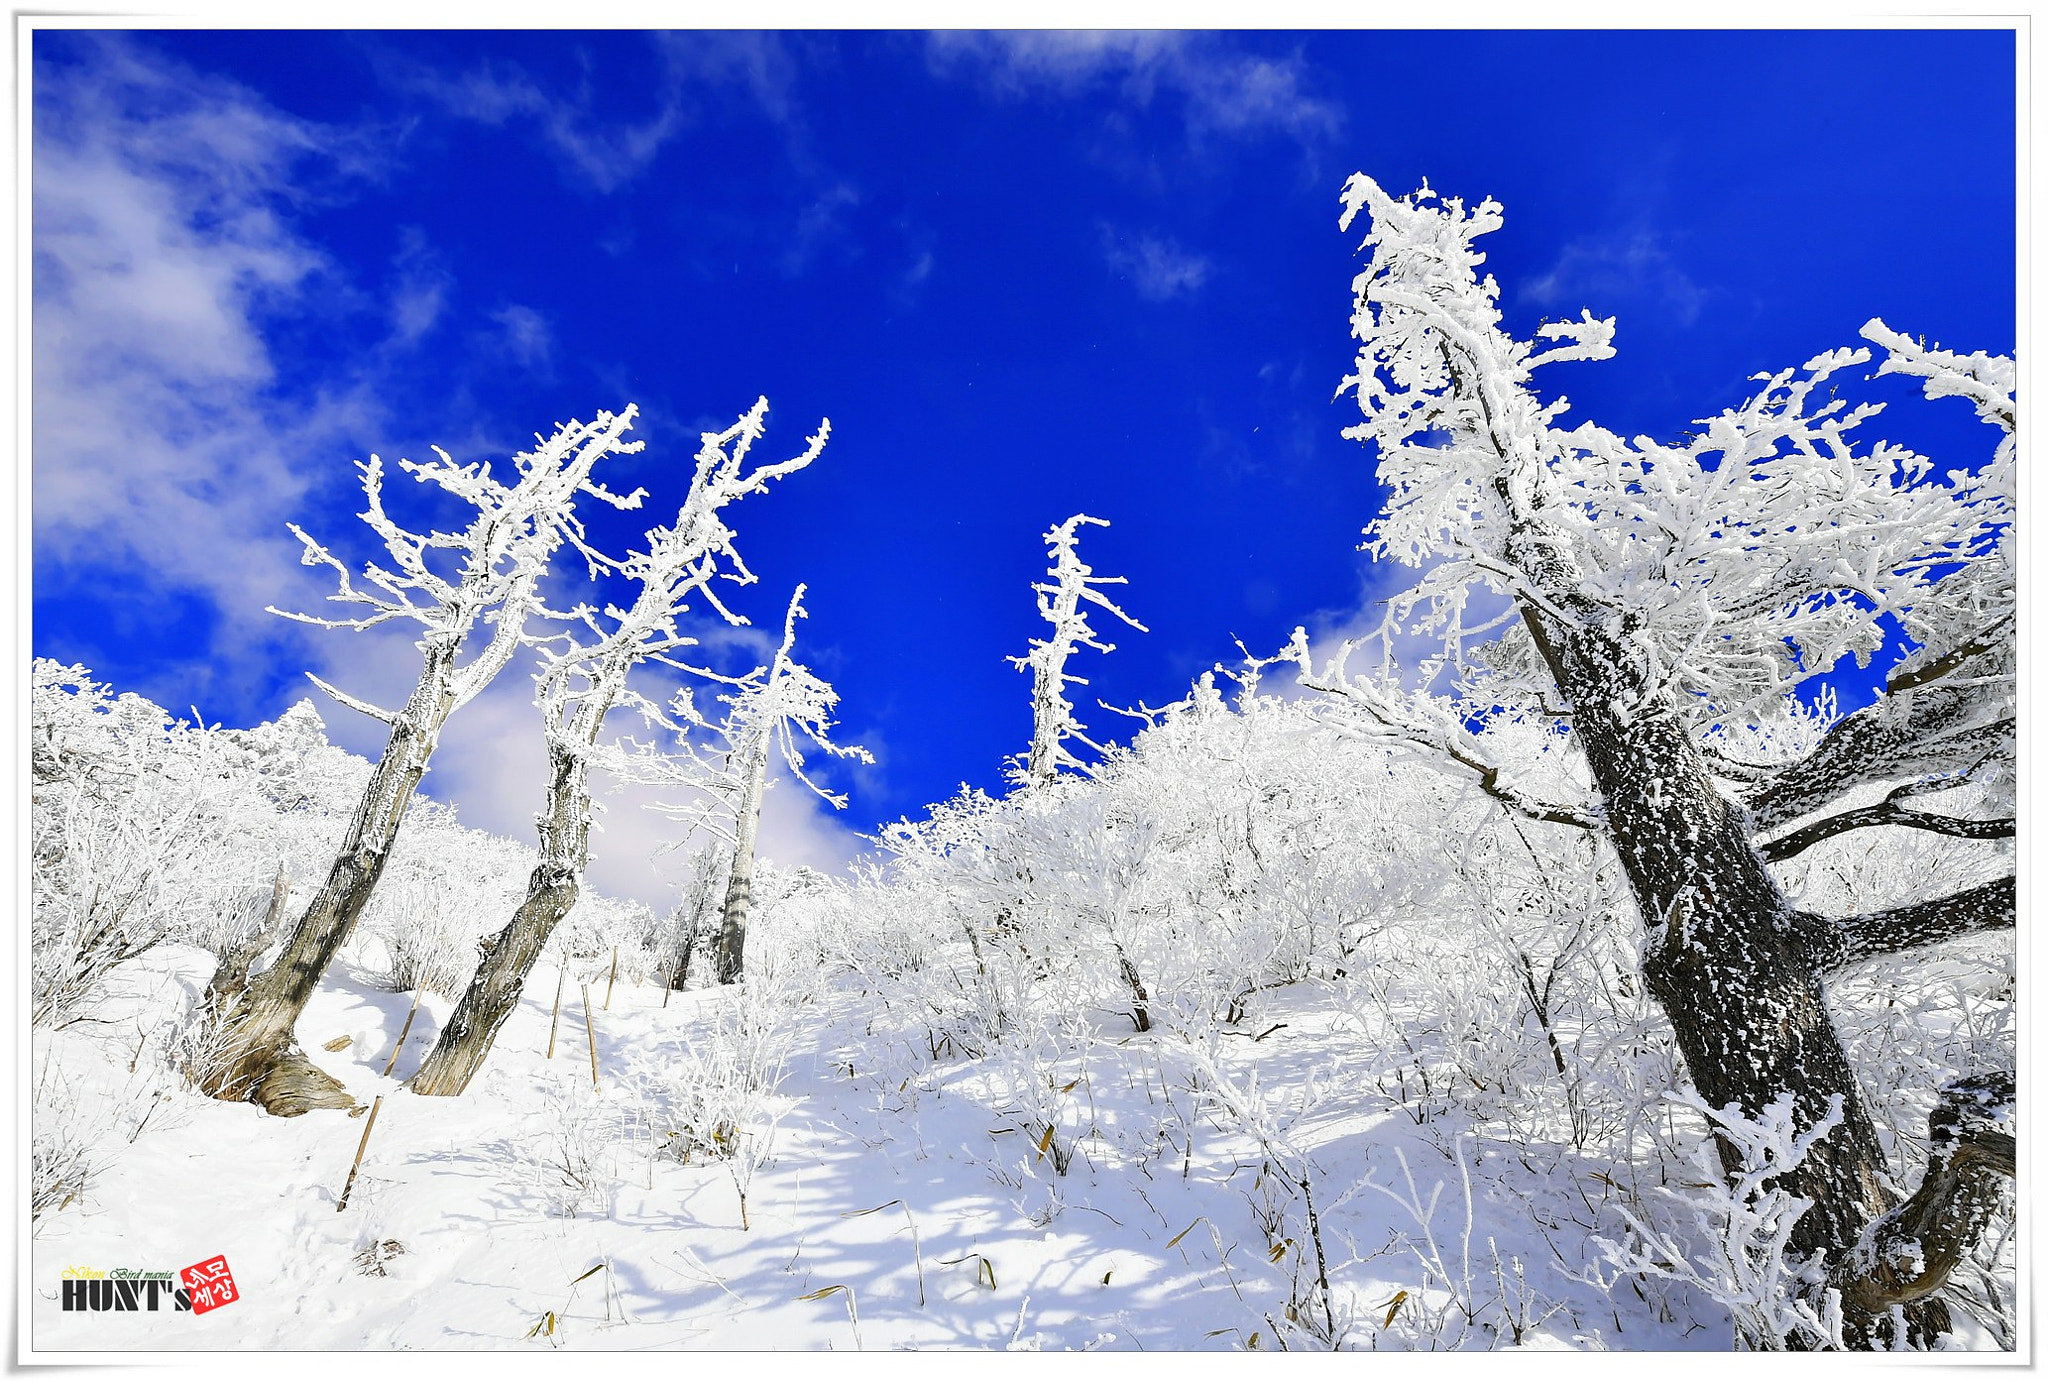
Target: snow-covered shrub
140 828
445 888
1736 1249
717 1099
69 1142
582 1147
686 934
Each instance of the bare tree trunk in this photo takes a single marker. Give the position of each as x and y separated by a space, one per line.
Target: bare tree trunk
739 889
260 1060
509 956
231 975
686 921
1721 954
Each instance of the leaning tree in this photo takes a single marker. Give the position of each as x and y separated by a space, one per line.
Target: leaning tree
1654 603
578 687
493 570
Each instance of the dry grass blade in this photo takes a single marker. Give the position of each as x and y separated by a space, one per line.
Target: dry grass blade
916 1247
852 1314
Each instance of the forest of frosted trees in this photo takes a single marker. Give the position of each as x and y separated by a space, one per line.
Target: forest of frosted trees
1571 891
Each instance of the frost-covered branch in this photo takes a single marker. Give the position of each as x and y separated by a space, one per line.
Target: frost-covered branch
1428 725
1060 602
502 555
1833 942
1735 565
499 562
768 712
578 686
1973 1152
581 682
1892 810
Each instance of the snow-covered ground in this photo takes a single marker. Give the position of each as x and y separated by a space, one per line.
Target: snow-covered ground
901 1204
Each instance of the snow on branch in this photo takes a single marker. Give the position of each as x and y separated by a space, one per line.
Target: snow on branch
1073 582
1744 1225
581 681
787 701
1834 942
1436 728
1988 381
1973 1152
1731 566
1892 810
499 559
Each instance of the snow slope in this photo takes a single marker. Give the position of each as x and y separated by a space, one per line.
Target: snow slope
901 1205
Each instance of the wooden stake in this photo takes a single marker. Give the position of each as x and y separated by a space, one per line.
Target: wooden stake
361 1146
613 979
403 1032
556 1017
591 1032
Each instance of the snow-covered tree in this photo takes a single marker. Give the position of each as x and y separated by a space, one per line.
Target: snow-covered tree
1653 601
577 688
498 563
768 713
130 815
1060 602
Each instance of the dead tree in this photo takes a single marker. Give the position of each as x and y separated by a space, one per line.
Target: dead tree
576 690
766 715
499 560
1071 583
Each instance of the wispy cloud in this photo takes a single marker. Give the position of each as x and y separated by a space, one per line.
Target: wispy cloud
1629 266
163 243
1225 91
601 149
523 336
1159 268
820 226
420 287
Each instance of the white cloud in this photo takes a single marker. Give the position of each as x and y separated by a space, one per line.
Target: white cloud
1634 265
523 335
1158 268
1226 92
604 151
162 245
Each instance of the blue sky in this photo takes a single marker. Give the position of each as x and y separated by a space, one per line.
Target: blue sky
1025 276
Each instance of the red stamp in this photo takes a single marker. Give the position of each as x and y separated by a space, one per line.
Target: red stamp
210 1284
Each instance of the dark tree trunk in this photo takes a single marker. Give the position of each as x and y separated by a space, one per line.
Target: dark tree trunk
1722 954
688 923
508 957
258 1036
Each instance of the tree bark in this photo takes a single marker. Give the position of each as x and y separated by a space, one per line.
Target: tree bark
1721 955
1916 1247
739 890
258 1035
1833 942
507 957
231 975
